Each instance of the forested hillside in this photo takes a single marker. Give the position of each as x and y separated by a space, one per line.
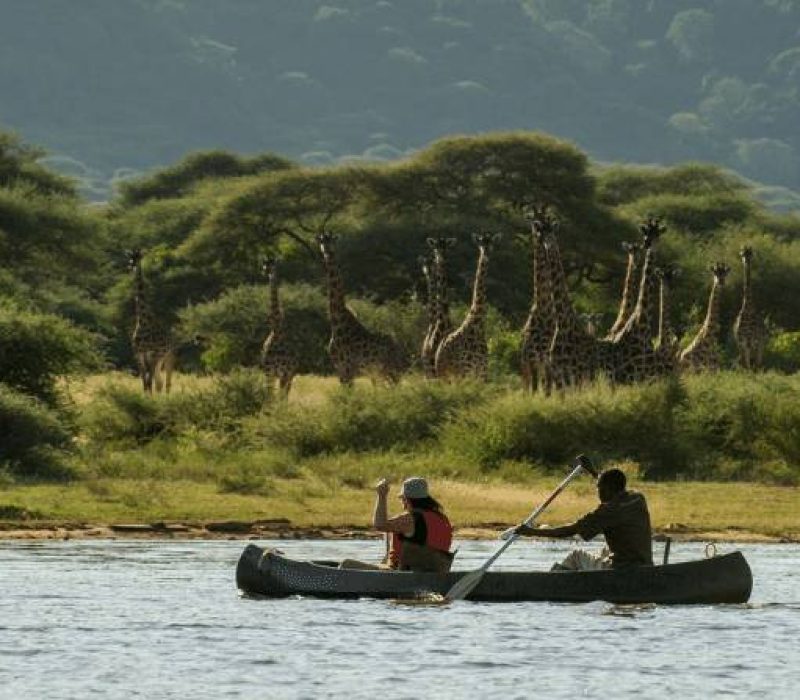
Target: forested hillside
111 87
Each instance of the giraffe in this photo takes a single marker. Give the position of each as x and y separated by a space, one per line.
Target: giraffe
464 351
629 288
748 329
573 353
442 325
633 356
352 348
152 344
278 357
703 352
537 333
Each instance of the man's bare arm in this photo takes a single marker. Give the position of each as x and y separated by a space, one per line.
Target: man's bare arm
556 532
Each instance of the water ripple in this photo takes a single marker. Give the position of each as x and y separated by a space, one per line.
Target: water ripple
107 610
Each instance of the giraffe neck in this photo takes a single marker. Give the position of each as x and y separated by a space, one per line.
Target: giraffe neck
140 306
478 306
430 300
274 315
441 308
541 273
564 311
643 311
747 294
336 300
711 322
664 326
627 303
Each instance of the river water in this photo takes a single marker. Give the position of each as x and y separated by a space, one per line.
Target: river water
162 619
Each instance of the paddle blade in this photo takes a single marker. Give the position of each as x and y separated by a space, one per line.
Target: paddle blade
465 585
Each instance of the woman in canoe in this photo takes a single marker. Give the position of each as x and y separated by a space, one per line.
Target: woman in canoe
419 538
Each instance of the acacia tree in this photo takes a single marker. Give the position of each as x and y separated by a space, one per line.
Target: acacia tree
293 205
179 179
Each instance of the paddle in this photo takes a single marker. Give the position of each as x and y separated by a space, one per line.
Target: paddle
465 585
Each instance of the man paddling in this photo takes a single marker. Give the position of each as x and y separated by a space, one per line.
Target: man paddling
622 517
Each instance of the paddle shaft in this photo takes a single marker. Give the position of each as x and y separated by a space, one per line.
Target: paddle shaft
532 517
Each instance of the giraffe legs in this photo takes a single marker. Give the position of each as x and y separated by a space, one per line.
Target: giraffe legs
529 379
285 385
347 374
167 366
162 372
146 371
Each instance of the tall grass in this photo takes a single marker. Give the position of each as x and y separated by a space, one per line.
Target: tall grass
713 426
406 417
119 413
720 426
632 423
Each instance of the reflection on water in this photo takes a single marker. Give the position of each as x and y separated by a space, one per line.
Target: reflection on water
163 619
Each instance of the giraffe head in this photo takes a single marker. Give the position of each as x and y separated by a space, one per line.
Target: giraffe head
269 265
537 212
651 229
545 225
631 248
326 241
486 241
440 244
541 218
720 271
746 254
134 258
668 274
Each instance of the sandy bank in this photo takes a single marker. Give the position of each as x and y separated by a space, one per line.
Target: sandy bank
281 528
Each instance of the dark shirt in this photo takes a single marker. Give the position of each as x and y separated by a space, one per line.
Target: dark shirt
625 523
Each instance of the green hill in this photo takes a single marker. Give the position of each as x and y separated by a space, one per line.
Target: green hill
112 88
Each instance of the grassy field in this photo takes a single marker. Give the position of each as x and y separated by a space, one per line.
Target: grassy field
215 450
737 510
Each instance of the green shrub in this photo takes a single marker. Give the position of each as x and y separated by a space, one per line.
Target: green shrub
626 423
121 414
35 439
246 482
35 349
360 420
739 423
124 415
783 351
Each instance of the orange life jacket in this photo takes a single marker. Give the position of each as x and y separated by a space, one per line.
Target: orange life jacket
438 534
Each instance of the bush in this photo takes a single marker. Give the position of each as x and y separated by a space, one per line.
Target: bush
35 349
710 426
360 420
35 439
783 351
119 414
742 426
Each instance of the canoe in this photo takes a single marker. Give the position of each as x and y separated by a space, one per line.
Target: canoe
718 579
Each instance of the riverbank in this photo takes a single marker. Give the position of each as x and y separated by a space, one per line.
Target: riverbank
127 508
236 530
